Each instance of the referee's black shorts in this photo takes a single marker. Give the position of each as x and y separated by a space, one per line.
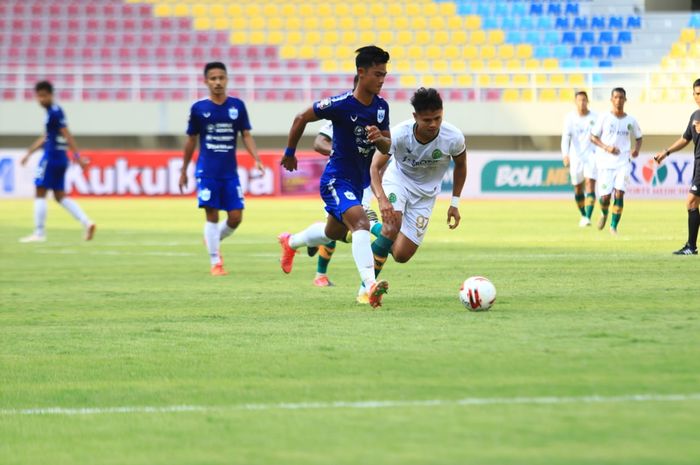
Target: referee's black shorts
695 184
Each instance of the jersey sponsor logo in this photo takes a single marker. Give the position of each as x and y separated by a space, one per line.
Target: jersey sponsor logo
349 195
205 194
380 114
233 113
325 103
210 128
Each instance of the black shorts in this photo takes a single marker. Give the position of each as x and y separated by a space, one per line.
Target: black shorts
695 183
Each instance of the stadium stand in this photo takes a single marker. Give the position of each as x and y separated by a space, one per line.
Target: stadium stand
152 50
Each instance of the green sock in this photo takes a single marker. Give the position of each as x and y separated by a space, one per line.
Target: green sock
604 207
618 204
376 230
590 204
325 252
380 248
579 203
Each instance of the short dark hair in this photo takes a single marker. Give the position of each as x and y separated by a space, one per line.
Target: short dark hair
696 83
426 99
581 92
620 90
214 65
44 85
369 56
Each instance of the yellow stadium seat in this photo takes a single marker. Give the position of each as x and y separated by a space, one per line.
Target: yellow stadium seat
311 23
253 9
472 22
447 9
440 66
678 50
484 80
331 37
541 79
433 52
217 10
496 37
577 80
501 80
415 52
293 23
365 23
514 64
385 38
557 79
506 52
398 52
408 80
469 52
511 95
458 66
359 9
239 37
441 38
694 50
344 52
275 37
221 24
312 38
342 10
419 23
307 52
465 80
421 66
394 9
234 10
257 22
532 63
523 51
401 23
526 95
548 95
348 66
494 64
422 38
383 24
329 66
258 38
412 9
455 22
476 65
167 10
459 37
550 63
566 95
404 37
446 80
430 9
347 23
427 80
477 37
199 10
288 52
288 9
305 9
377 10
487 52
688 35
239 23
368 37
270 9
521 80
451 52
202 23
294 37
349 37
402 66
437 23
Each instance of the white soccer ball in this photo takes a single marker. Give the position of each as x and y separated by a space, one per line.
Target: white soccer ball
477 294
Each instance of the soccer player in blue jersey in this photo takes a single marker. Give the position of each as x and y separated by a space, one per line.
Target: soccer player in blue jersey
360 126
215 122
51 172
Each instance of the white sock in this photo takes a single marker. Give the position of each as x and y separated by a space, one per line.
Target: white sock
362 253
225 230
75 210
211 237
39 216
311 237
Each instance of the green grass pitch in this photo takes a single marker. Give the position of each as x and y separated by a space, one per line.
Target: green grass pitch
133 320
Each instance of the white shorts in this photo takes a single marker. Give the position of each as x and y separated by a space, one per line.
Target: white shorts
367 197
613 178
416 209
580 169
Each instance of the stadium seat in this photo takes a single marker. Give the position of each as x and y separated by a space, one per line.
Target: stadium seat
518 8
615 22
587 37
514 37
568 37
580 22
614 51
552 38
694 21
536 9
578 52
554 9
533 37
624 37
595 52
688 35
598 22
572 9
562 22
605 37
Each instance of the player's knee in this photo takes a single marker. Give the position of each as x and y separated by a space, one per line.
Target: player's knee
401 256
58 197
390 231
233 223
693 203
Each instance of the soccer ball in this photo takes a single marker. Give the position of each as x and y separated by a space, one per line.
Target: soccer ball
477 294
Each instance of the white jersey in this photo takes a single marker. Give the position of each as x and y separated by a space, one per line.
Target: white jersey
421 167
576 136
616 132
327 129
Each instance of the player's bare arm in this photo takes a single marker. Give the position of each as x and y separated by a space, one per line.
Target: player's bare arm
36 145
637 148
65 132
459 177
190 146
289 160
376 171
679 144
323 145
252 149
380 139
608 148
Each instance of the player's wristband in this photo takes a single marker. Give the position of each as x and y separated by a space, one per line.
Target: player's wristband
289 151
454 202
668 152
76 156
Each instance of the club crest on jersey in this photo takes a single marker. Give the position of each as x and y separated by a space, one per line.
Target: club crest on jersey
437 154
392 198
205 194
380 114
233 113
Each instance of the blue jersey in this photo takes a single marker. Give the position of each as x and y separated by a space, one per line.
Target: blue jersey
218 127
352 152
55 145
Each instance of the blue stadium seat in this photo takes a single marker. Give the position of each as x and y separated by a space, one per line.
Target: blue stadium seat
533 37
562 22
694 21
636 22
552 38
614 51
562 52
483 9
501 10
465 9
536 9
508 23
518 9
586 63
598 22
572 9
605 64
568 37
580 22
554 9
541 52
605 37
596 51
544 22
526 23
624 37
568 63
615 22
490 22
578 52
514 37
587 37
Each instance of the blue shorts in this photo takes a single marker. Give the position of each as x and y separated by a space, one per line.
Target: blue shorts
339 195
220 194
51 175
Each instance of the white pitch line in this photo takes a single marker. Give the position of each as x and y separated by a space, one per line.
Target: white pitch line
370 404
115 253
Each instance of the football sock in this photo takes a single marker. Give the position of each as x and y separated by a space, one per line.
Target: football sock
376 229
211 237
693 225
362 253
39 216
225 230
380 249
590 204
325 252
604 207
579 203
75 210
312 236
618 204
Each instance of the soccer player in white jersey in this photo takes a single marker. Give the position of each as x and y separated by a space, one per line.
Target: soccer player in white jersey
51 171
577 153
611 134
419 157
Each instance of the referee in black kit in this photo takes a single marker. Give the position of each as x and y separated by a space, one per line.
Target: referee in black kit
693 201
